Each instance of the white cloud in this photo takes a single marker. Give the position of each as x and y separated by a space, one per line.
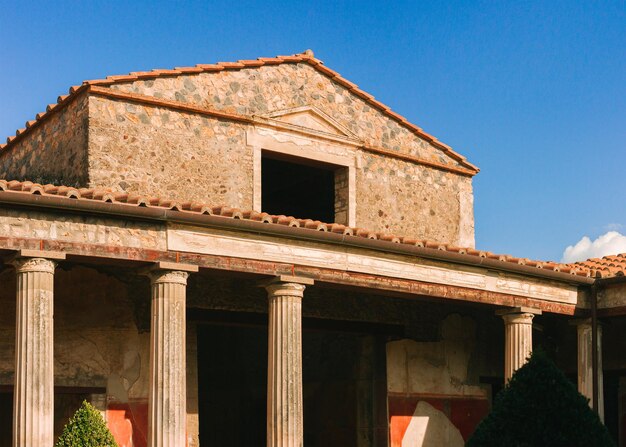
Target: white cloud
610 243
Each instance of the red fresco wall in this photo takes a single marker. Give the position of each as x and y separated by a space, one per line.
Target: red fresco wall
464 413
128 423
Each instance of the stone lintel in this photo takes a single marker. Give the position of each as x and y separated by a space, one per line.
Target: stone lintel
287 279
165 265
45 254
518 310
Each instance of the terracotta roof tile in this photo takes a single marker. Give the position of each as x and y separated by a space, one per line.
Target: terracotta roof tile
306 57
604 267
608 266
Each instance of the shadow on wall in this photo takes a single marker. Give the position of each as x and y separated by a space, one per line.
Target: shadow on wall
429 427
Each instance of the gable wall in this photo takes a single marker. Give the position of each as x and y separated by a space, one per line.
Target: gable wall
163 152
53 152
258 91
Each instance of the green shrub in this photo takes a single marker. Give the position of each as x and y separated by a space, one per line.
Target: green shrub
86 429
540 407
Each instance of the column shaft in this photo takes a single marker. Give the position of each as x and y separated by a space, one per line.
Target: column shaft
518 343
284 386
167 398
585 365
33 399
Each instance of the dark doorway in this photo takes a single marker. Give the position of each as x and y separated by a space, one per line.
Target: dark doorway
232 383
6 419
344 386
293 188
614 400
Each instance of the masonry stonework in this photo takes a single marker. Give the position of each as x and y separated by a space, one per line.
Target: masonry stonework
54 152
161 150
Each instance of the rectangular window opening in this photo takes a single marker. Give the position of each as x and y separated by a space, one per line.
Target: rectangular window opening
304 188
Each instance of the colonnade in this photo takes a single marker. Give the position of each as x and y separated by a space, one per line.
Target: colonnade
33 411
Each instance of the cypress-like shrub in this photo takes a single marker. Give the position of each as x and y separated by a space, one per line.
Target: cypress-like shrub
86 429
540 407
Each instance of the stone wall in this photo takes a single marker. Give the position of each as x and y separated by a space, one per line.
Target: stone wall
183 156
411 200
186 156
164 153
268 89
55 151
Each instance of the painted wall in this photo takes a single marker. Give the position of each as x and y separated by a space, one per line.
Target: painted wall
433 395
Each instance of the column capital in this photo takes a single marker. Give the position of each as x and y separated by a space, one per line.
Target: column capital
35 260
168 276
169 272
286 285
518 315
42 265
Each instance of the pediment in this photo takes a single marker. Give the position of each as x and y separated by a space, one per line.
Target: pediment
312 119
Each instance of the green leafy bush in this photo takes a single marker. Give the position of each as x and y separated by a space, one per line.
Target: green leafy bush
540 407
86 429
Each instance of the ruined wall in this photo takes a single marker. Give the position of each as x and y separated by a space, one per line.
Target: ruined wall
53 152
165 153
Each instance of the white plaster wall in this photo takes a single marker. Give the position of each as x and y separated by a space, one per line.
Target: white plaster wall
437 368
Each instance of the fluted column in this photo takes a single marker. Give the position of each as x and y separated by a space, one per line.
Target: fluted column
284 372
585 363
33 398
167 398
518 338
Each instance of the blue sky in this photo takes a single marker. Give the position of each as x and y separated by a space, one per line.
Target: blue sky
532 92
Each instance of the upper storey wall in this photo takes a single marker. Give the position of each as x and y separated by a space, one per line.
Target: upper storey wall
55 151
139 137
161 151
166 153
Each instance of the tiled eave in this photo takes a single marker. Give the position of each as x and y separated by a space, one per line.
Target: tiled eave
106 202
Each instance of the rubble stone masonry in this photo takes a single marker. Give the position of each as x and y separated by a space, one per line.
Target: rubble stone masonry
163 151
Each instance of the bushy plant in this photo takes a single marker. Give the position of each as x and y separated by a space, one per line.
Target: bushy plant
86 429
540 407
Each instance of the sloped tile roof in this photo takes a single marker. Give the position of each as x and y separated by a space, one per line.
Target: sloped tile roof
608 266
306 57
605 267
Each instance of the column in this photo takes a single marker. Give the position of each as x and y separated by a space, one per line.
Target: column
167 395
518 341
33 395
585 363
284 372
